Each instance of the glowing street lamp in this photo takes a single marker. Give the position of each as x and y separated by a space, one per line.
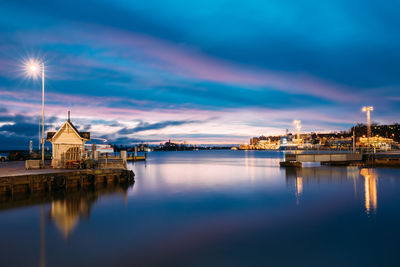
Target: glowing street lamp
368 110
34 68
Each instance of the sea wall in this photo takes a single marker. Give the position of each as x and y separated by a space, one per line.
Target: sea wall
53 181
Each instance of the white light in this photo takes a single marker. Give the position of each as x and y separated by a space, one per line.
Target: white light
32 68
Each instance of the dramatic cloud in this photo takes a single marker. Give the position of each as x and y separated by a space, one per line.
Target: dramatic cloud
156 70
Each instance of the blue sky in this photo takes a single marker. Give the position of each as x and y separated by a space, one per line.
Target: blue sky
198 71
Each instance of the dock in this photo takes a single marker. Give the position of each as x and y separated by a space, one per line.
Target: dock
15 179
381 159
130 157
136 158
296 159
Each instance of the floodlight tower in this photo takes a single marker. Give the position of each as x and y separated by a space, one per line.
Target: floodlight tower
368 111
298 127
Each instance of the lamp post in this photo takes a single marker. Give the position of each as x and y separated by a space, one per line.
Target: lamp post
298 127
368 110
34 67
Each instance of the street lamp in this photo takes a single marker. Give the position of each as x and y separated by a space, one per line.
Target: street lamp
33 68
368 110
298 127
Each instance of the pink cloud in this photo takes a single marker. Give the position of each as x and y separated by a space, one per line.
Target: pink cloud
184 61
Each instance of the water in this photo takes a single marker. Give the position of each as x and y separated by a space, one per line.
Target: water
213 208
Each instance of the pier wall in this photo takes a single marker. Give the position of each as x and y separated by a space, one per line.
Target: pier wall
51 181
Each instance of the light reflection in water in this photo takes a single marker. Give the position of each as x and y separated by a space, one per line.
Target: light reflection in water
295 177
66 214
371 192
185 207
299 189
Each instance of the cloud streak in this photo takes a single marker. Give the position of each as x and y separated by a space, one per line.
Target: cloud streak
145 126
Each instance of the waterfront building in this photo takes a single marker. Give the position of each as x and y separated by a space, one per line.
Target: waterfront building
254 140
68 144
376 142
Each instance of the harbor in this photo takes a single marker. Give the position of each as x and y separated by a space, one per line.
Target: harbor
199 133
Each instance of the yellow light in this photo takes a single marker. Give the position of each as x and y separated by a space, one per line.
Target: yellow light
370 108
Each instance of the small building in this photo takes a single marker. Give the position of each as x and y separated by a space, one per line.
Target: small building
376 142
68 143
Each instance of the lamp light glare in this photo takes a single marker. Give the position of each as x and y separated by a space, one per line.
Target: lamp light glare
369 108
32 68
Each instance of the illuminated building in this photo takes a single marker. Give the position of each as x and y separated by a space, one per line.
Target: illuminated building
68 143
254 140
376 142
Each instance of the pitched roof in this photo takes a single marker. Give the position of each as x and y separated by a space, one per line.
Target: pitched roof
83 135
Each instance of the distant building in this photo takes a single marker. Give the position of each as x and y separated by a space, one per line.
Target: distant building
254 140
262 137
68 144
376 142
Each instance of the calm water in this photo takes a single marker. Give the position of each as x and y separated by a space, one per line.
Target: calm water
214 208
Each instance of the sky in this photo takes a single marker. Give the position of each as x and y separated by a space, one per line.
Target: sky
204 72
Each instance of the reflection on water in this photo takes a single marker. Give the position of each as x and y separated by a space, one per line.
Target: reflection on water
66 208
210 208
72 207
299 189
316 174
66 213
371 192
42 239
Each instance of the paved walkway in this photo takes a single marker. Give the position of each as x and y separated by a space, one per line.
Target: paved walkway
16 168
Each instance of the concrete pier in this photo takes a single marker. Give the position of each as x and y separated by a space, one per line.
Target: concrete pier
20 181
382 159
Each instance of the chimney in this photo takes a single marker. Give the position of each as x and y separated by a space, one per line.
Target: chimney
69 116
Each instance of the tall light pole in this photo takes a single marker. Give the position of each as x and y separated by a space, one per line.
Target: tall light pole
368 110
34 67
298 127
